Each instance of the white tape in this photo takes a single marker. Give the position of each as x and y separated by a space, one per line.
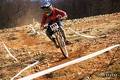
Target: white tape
83 35
24 70
41 73
9 51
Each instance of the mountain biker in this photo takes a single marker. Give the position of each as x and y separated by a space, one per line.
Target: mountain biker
50 16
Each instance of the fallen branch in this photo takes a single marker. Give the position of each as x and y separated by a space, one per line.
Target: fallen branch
34 31
9 51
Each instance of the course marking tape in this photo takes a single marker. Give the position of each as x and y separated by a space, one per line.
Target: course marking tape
83 35
41 73
24 70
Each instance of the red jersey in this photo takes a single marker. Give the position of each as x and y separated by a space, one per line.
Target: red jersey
55 12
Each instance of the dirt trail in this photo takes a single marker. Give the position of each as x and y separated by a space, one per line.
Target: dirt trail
27 49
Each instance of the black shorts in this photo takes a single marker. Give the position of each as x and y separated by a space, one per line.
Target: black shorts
49 31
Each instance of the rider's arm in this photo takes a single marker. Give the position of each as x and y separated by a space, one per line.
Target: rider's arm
44 18
61 13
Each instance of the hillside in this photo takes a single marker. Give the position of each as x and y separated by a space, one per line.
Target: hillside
29 49
83 8
21 12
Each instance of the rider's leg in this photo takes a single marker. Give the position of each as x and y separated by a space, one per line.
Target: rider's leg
63 33
61 29
49 34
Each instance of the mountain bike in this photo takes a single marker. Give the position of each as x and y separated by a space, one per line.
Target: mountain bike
59 39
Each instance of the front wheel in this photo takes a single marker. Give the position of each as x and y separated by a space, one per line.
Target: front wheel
61 42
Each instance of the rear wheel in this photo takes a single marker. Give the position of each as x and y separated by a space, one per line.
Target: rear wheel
61 42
